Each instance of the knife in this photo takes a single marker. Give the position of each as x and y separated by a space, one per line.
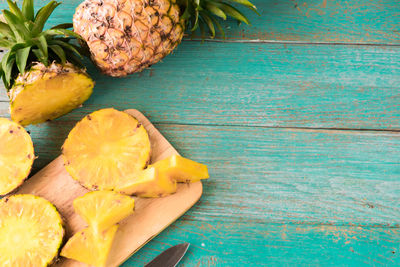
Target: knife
170 257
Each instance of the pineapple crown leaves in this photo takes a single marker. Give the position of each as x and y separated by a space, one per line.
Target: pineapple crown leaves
22 34
207 13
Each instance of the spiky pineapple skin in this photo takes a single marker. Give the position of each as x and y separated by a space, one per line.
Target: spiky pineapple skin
39 72
126 36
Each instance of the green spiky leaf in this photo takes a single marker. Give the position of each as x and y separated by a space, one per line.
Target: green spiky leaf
59 52
209 23
6 31
23 35
17 26
28 10
215 10
21 58
15 10
233 12
42 16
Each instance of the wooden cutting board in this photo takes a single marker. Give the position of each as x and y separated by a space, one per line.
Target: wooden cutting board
151 215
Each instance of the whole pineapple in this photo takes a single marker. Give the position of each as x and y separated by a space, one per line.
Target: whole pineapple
41 70
126 36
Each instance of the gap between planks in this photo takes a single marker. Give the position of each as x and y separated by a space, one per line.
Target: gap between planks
269 41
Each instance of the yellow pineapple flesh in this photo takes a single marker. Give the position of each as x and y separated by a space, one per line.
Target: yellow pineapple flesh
126 36
16 155
104 148
150 182
102 209
160 178
182 169
31 231
90 248
45 93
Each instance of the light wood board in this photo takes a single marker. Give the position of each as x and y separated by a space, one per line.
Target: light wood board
151 215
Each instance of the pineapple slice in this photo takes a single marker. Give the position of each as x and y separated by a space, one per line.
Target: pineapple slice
16 155
45 93
90 248
31 231
160 179
150 182
102 209
182 169
104 148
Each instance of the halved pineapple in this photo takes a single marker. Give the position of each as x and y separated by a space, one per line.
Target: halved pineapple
16 155
151 182
45 93
90 248
102 209
104 148
31 231
182 169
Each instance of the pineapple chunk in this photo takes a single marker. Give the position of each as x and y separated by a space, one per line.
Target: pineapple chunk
87 247
160 179
104 148
102 209
45 93
31 231
150 182
16 155
182 169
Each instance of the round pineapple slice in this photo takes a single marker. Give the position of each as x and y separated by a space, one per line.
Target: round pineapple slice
45 93
31 231
16 155
105 148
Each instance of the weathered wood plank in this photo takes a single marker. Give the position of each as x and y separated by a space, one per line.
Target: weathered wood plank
264 85
280 175
367 21
216 243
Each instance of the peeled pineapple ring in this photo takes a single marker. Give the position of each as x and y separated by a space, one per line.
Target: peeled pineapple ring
105 148
31 231
16 155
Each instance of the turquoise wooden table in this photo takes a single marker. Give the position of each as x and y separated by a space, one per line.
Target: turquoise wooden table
298 118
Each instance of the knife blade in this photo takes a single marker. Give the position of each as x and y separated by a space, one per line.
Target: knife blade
169 257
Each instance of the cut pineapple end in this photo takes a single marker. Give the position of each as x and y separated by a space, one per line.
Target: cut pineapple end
31 231
182 169
104 148
49 98
150 182
90 248
16 155
103 209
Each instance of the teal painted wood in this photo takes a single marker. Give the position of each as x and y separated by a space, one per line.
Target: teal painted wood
279 175
272 85
367 21
216 243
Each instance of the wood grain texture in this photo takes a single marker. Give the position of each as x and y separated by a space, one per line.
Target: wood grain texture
343 21
217 243
280 175
151 215
272 85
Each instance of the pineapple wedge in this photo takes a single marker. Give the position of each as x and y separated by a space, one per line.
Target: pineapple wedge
90 248
150 182
16 155
102 209
183 170
160 179
104 148
31 231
